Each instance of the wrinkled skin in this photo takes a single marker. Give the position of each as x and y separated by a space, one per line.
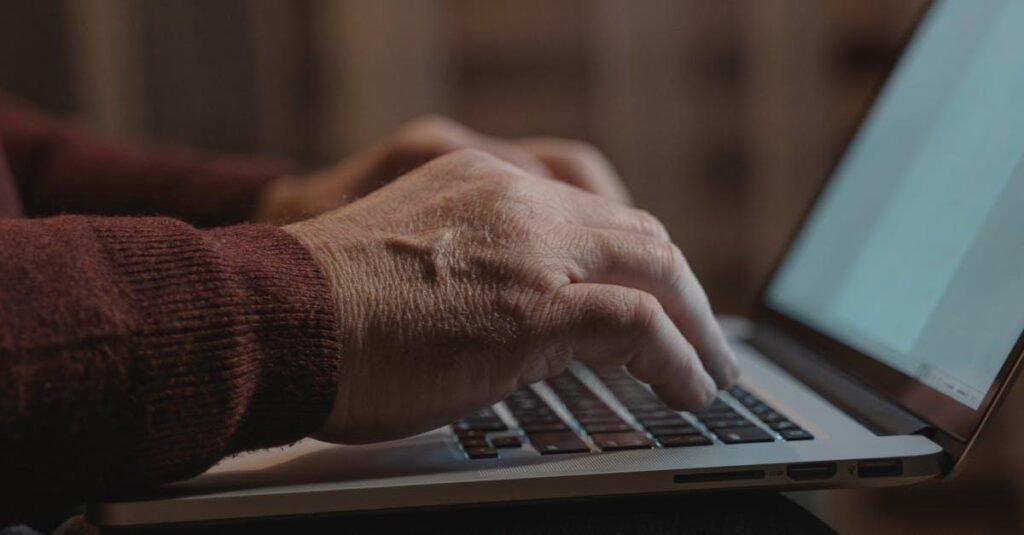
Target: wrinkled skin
290 199
469 276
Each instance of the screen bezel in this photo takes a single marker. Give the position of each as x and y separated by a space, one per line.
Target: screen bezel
947 414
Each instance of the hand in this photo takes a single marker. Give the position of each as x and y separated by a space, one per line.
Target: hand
468 277
292 199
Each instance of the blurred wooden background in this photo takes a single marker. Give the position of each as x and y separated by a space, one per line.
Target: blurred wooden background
722 116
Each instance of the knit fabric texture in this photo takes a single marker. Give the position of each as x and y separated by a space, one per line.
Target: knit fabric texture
140 349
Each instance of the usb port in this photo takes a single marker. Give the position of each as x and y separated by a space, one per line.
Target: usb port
880 468
811 471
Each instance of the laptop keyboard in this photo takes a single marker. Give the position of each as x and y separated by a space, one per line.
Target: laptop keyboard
590 425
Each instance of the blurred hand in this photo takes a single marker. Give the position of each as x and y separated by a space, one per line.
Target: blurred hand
292 198
469 276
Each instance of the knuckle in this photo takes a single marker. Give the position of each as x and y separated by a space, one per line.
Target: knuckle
641 315
501 187
547 280
474 166
474 159
669 258
681 275
430 133
581 150
649 224
431 125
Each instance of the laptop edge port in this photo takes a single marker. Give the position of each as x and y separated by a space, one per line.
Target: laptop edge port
811 471
880 468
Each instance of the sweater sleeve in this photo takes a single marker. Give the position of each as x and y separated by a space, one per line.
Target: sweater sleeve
136 351
61 167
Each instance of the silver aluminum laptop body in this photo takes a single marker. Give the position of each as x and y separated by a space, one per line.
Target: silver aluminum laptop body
821 350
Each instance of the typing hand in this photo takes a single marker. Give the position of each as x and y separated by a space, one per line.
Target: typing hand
291 199
468 277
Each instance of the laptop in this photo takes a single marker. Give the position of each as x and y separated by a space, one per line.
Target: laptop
881 344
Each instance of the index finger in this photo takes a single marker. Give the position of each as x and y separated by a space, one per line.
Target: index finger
659 268
579 164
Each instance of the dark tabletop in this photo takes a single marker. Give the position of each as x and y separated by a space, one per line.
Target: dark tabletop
714 512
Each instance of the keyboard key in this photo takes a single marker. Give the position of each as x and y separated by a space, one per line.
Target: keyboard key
532 412
474 443
605 419
506 442
720 416
558 442
796 434
760 408
604 412
539 428
717 406
673 431
782 425
486 412
728 423
593 413
747 399
622 441
644 408
743 395
608 428
542 419
481 453
679 441
470 433
663 422
655 415
743 435
481 425
717 415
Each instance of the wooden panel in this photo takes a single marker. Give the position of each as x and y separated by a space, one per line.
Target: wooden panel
34 62
105 53
382 63
280 59
199 75
787 104
666 76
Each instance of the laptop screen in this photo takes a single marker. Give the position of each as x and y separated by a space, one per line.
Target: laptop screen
914 253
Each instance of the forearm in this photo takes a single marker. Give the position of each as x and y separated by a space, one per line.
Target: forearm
139 351
62 168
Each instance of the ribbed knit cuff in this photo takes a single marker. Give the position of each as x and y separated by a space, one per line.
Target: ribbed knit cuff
238 341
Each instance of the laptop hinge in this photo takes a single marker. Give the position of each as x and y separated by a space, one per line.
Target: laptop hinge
867 406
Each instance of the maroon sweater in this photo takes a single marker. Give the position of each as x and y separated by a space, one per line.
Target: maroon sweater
136 348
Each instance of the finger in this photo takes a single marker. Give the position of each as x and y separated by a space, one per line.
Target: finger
432 136
659 268
511 153
606 325
592 210
579 164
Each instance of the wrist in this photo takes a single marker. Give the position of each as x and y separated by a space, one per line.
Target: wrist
296 327
322 239
280 201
